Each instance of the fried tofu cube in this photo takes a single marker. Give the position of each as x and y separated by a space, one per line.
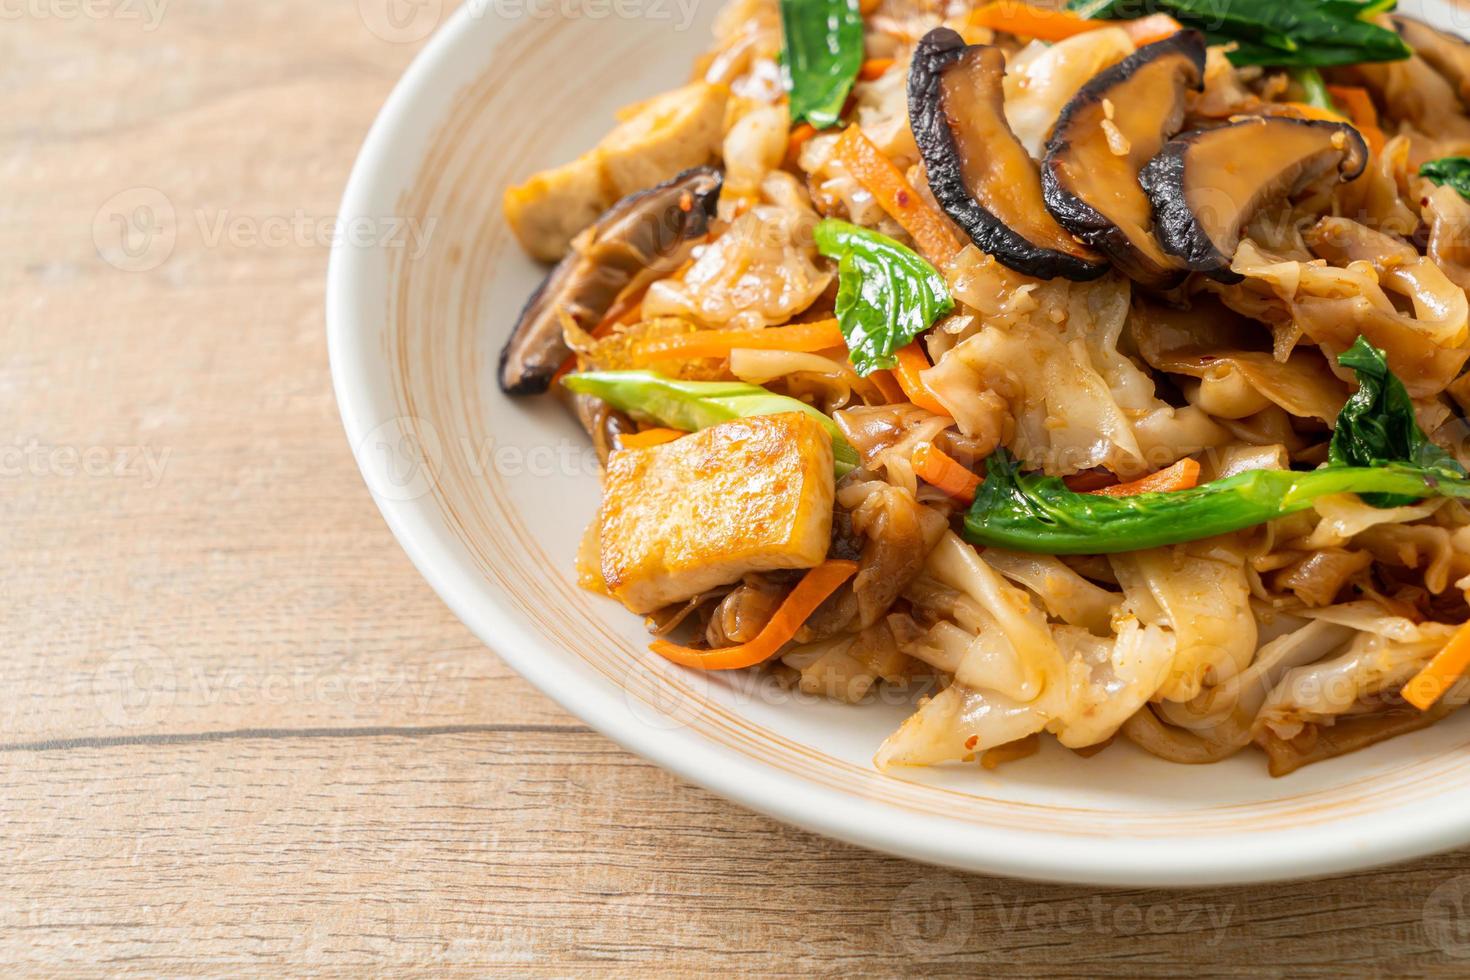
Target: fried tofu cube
748 495
662 136
654 141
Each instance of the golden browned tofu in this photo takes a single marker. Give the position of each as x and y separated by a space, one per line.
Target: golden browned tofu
748 495
654 141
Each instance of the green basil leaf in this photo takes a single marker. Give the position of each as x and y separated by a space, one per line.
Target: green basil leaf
886 294
821 52
695 405
1454 171
1299 33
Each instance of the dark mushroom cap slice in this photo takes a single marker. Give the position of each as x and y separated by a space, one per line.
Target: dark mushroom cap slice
1206 184
1104 136
1447 54
644 236
978 170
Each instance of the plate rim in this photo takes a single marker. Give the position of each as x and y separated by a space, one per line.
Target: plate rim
1353 844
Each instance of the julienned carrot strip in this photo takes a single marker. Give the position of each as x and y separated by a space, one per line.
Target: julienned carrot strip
888 385
809 593
1440 674
649 437
1028 21
934 466
1362 111
866 7
802 337
874 68
800 133
911 360
1308 111
1089 480
623 311
928 228
1181 476
1147 30
1057 25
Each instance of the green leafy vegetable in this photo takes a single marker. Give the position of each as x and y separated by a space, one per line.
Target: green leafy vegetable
1314 88
1032 512
1301 33
1378 451
1454 171
886 294
821 52
694 405
1377 426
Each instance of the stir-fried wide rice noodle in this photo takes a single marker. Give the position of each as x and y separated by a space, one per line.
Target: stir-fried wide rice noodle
1334 306
1200 593
759 272
1041 78
1294 636
1065 594
1373 661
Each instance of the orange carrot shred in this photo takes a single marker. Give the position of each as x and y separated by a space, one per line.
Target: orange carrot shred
1440 674
926 225
799 135
874 68
1027 21
866 7
911 360
1308 111
1089 480
933 465
802 337
1362 112
649 437
888 386
1181 476
810 592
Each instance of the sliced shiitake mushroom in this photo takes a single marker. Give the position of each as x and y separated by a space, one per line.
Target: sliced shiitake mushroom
1114 125
978 170
644 236
1447 54
1205 185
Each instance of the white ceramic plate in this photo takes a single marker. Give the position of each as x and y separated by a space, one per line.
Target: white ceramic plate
488 496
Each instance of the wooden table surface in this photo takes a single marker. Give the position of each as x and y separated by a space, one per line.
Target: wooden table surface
238 731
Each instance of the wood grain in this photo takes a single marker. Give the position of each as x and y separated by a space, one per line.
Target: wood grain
237 731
